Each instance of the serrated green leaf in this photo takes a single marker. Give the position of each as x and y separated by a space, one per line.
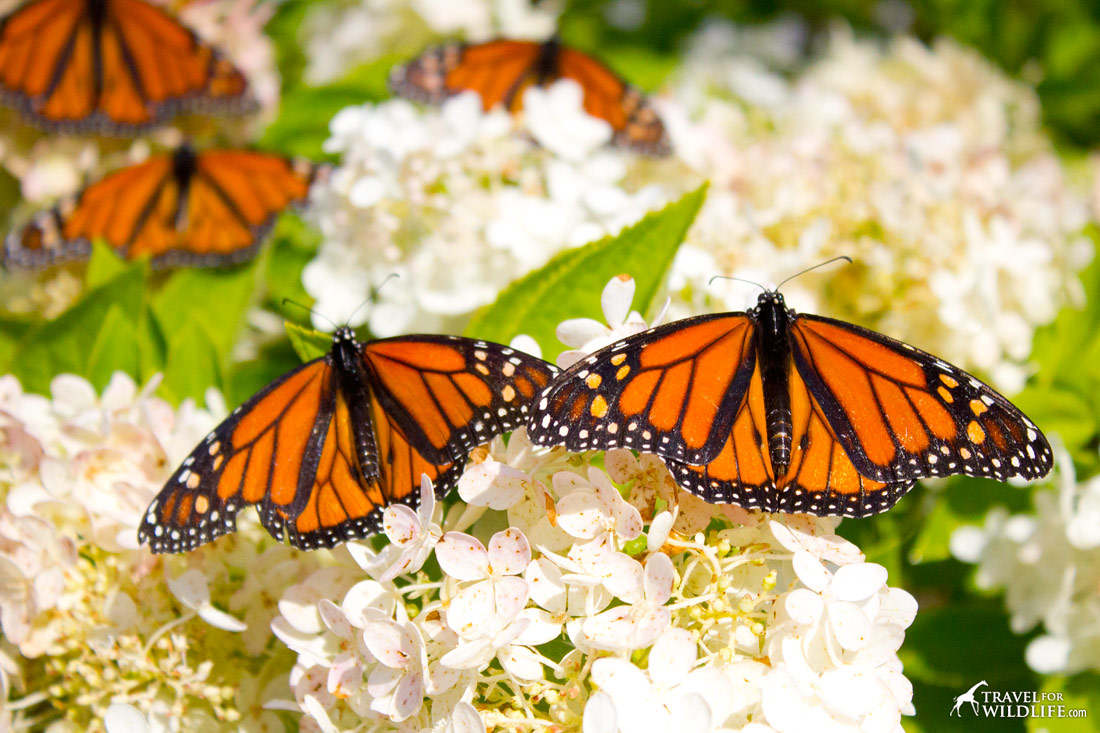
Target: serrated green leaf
103 265
192 363
308 344
115 349
65 343
569 286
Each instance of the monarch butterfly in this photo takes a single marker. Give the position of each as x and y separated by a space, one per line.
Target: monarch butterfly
111 66
325 448
501 70
181 208
786 412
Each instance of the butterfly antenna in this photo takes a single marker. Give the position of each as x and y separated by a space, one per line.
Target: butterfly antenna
307 309
846 258
373 295
738 279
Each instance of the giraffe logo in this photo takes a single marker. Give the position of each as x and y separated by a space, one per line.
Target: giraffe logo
968 696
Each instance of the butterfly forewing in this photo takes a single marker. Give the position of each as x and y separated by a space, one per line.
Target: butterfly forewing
238 464
672 391
903 414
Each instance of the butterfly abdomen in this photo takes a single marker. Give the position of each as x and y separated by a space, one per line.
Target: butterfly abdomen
773 349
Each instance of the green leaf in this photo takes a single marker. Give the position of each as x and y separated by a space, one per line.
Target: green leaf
192 363
115 349
65 343
309 344
569 286
103 266
216 298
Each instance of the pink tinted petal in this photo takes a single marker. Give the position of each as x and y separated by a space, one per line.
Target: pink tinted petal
649 625
858 582
495 485
465 719
382 680
672 657
390 644
400 524
334 618
472 609
621 465
408 697
510 596
509 552
462 557
345 676
582 515
441 678
660 577
616 298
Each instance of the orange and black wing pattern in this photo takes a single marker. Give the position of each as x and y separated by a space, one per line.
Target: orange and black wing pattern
261 454
110 66
501 70
854 417
673 391
901 413
208 208
325 449
821 478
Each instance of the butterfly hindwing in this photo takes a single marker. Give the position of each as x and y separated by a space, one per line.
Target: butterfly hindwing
903 414
110 66
672 391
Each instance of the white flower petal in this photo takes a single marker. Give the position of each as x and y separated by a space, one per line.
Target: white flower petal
462 557
465 719
672 657
401 524
492 484
660 577
858 582
191 589
813 574
509 597
509 552
579 331
121 718
849 624
616 298
472 609
582 515
599 714
390 644
521 662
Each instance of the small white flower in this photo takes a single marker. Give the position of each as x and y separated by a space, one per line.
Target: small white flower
192 590
397 683
586 335
494 595
636 625
557 119
414 532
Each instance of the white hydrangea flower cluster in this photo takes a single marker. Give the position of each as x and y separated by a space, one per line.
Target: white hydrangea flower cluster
564 592
926 165
338 37
1048 565
88 617
459 203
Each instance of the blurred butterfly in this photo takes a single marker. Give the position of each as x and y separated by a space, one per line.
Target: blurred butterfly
325 448
501 70
788 412
182 208
110 66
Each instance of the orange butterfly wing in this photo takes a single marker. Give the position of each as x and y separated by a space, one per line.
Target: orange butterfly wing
324 449
902 413
821 479
501 70
210 208
113 66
